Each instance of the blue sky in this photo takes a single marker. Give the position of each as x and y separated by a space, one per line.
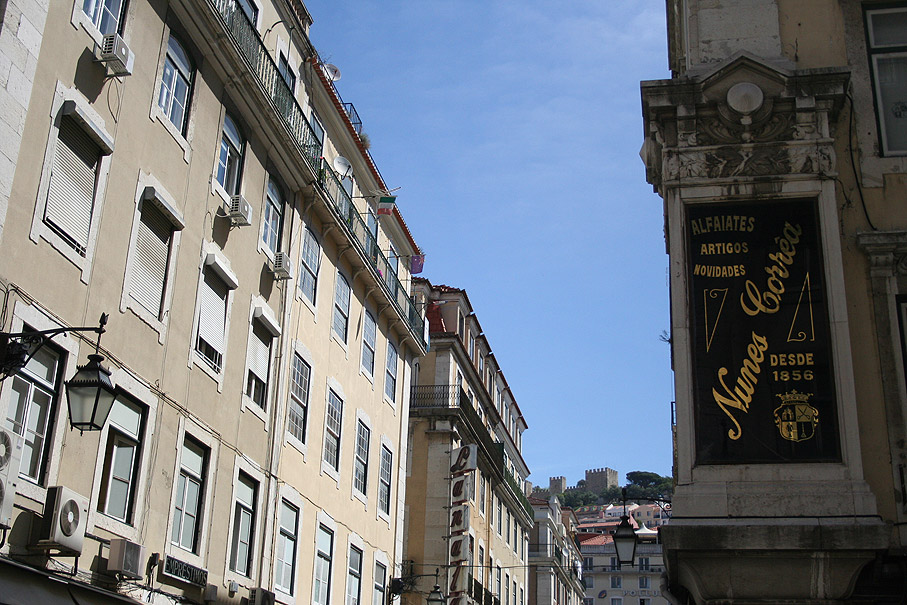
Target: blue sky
513 130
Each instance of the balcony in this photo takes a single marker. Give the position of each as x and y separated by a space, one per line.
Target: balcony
355 120
264 69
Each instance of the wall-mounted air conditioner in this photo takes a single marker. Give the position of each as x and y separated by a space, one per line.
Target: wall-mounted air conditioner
282 267
126 558
240 211
116 55
260 596
10 457
65 518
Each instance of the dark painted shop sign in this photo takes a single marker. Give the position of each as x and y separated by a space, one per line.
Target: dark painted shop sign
184 571
762 368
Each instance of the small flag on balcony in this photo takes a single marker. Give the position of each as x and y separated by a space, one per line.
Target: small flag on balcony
416 263
386 204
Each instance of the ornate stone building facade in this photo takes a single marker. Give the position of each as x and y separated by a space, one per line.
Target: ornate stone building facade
777 149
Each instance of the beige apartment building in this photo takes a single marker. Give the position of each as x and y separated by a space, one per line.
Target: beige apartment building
467 516
607 582
778 146
555 565
188 167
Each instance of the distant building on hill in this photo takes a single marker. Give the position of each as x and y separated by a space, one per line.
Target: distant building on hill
597 480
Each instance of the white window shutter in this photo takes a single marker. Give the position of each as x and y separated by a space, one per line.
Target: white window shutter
152 251
212 315
70 195
259 351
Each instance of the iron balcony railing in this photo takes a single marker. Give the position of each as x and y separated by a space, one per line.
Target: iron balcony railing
363 236
355 120
263 66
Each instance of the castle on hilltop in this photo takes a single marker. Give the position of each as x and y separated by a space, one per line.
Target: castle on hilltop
597 480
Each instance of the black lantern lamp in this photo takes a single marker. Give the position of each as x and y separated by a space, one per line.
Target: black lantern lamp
436 597
90 392
625 536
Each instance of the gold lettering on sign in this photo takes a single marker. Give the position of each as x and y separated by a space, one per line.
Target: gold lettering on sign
710 331
769 301
742 394
801 335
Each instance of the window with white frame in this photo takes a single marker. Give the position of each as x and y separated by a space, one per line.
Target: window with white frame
272 221
643 563
617 601
285 565
507 533
212 318
106 15
384 480
151 257
230 156
644 582
645 601
390 374
483 493
176 85
32 409
497 581
332 424
369 337
311 261
354 577
317 144
588 601
506 596
514 593
244 513
259 363
121 459
72 187
341 319
887 47
190 491
324 552
500 517
615 564
360 464
286 72
380 580
299 398
616 582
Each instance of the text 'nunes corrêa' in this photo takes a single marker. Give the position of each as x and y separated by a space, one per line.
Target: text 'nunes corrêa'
755 301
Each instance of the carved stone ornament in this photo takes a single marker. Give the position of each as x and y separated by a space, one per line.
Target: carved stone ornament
730 161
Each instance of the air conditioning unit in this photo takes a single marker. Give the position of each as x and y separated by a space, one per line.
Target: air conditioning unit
282 267
240 211
10 456
65 518
126 558
116 55
260 596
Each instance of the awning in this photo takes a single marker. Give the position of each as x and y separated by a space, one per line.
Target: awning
24 585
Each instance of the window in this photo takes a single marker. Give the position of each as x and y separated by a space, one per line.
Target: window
587 582
107 15
150 260
32 409
615 582
317 144
332 430
643 563
249 9
324 547
617 601
380 582
259 361
285 566
354 577
299 398
481 565
176 84
615 564
507 533
341 321
369 334
500 517
887 47
471 349
587 564
506 600
483 494
384 480
272 222
644 582
514 592
244 509
393 263
73 184
121 460
286 72
229 161
497 581
588 601
311 260
390 376
190 489
360 464
645 601
212 319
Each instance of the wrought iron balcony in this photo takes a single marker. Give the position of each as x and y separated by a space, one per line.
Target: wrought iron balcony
355 120
368 245
251 47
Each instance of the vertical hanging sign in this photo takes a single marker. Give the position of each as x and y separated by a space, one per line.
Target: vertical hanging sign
762 367
463 464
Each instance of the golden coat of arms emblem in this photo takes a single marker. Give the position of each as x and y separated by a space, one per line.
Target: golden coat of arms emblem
795 418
